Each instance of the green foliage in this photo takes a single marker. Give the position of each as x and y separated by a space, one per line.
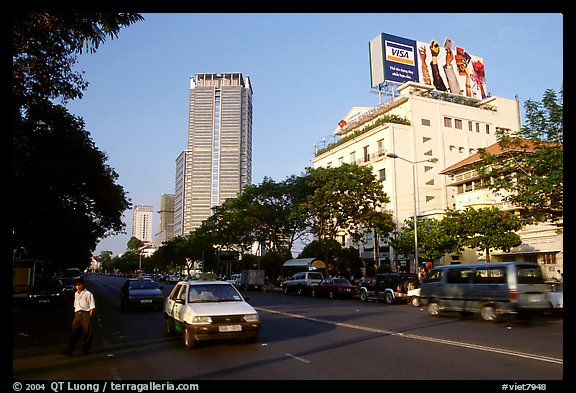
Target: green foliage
433 240
382 119
134 244
530 172
64 188
346 199
484 229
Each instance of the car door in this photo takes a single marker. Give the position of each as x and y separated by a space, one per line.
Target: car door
176 305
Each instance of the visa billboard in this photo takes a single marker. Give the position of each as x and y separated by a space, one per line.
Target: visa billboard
447 67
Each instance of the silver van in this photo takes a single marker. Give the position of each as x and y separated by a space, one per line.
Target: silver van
491 289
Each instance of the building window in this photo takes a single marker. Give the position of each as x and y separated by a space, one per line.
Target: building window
366 157
477 127
380 151
425 122
382 174
458 124
487 128
448 122
470 126
353 157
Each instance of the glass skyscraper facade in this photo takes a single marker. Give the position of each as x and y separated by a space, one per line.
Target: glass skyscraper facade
217 163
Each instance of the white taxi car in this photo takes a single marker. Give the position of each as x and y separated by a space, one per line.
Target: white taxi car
207 309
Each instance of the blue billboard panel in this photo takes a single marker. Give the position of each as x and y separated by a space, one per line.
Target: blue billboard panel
400 60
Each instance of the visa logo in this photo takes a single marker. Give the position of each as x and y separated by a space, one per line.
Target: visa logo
399 53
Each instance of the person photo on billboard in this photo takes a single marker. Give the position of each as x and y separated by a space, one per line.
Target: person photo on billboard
453 84
435 51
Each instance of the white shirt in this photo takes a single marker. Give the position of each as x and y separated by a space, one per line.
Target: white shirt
84 301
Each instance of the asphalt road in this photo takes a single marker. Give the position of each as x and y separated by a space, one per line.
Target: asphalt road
302 338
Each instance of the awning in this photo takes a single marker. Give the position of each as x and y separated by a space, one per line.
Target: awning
305 262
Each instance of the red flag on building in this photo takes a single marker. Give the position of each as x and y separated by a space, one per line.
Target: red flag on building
342 123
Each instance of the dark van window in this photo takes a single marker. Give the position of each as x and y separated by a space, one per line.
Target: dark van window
529 275
459 276
433 276
493 275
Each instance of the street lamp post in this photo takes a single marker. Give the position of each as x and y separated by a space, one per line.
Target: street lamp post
432 160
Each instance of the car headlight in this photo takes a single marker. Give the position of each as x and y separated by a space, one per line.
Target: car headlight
201 319
251 317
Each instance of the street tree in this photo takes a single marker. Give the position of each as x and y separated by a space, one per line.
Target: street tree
67 198
346 199
529 169
433 240
484 228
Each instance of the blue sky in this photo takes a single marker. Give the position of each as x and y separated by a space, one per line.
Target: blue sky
307 71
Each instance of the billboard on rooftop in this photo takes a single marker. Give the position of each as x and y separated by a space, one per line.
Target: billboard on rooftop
444 65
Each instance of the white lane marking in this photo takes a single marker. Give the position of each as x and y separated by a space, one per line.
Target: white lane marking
297 358
422 338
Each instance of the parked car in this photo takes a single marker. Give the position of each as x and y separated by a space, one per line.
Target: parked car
492 290
68 284
390 287
203 310
555 297
47 292
141 292
301 282
334 287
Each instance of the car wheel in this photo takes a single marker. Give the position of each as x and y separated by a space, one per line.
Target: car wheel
363 296
169 327
389 298
489 312
313 293
434 309
189 341
415 301
300 291
331 295
285 291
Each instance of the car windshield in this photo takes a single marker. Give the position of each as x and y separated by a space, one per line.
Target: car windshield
143 284
213 293
341 281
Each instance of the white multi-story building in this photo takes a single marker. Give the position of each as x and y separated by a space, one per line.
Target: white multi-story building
142 223
437 127
217 163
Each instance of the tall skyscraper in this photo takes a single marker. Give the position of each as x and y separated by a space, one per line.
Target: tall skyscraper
166 219
142 223
217 163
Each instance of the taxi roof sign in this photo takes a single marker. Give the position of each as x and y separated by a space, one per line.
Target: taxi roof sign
204 276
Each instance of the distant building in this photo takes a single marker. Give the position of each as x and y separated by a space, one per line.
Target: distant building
217 162
142 223
166 219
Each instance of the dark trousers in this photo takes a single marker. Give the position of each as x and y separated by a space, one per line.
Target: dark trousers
81 325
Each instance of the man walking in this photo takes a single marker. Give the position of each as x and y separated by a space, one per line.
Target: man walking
84 305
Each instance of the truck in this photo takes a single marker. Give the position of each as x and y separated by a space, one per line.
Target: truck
252 279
